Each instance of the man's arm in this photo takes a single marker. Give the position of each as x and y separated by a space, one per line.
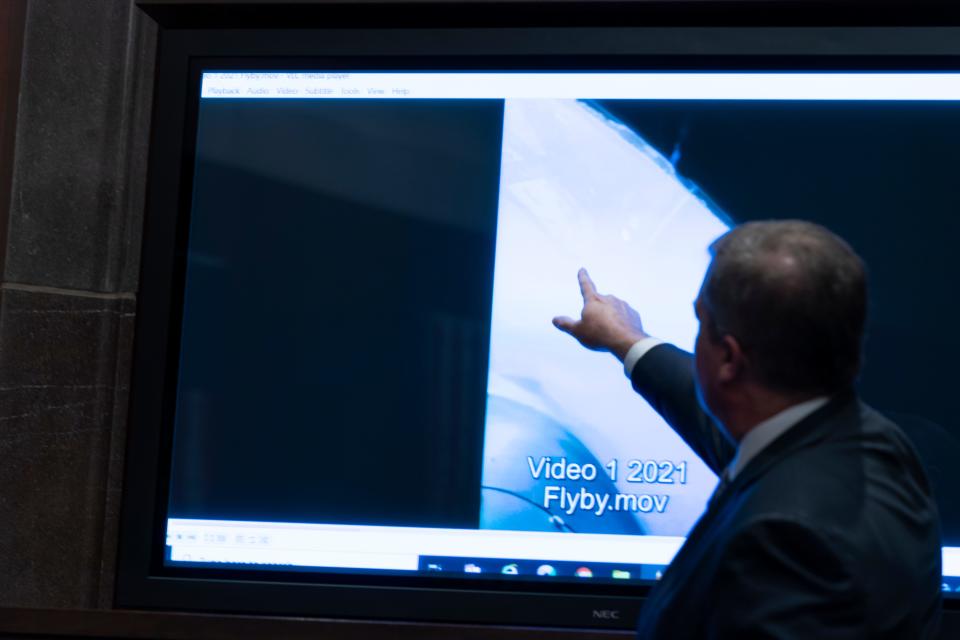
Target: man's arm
664 375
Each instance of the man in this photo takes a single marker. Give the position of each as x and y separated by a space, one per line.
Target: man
822 525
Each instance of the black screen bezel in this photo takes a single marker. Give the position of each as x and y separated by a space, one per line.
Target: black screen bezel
142 580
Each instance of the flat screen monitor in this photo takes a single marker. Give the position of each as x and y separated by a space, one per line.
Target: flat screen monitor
362 389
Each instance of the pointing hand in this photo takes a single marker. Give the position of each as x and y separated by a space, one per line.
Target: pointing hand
606 322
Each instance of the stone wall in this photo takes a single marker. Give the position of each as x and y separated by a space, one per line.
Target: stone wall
68 296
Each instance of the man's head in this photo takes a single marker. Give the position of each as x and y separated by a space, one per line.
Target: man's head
782 312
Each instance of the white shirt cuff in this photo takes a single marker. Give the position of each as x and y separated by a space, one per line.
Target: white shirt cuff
637 351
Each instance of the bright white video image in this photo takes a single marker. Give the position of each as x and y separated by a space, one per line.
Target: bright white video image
579 189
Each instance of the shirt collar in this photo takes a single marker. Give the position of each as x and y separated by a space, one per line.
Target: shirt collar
762 435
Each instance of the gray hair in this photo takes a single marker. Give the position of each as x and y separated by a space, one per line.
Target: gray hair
794 295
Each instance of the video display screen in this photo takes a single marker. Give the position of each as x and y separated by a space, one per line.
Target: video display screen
369 380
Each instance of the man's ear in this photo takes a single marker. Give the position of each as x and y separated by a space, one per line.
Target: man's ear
731 359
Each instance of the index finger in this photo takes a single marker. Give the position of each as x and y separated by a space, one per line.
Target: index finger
587 288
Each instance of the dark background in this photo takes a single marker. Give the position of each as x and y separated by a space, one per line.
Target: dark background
884 176
335 333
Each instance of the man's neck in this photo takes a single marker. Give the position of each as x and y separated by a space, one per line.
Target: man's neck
757 405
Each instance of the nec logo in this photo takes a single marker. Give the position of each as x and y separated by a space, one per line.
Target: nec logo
606 614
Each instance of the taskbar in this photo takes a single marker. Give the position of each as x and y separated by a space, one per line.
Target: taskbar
507 568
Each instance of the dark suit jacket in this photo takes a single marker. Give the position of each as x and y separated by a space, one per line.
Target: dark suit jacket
830 532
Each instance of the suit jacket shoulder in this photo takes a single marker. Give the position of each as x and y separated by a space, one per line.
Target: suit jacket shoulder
829 532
